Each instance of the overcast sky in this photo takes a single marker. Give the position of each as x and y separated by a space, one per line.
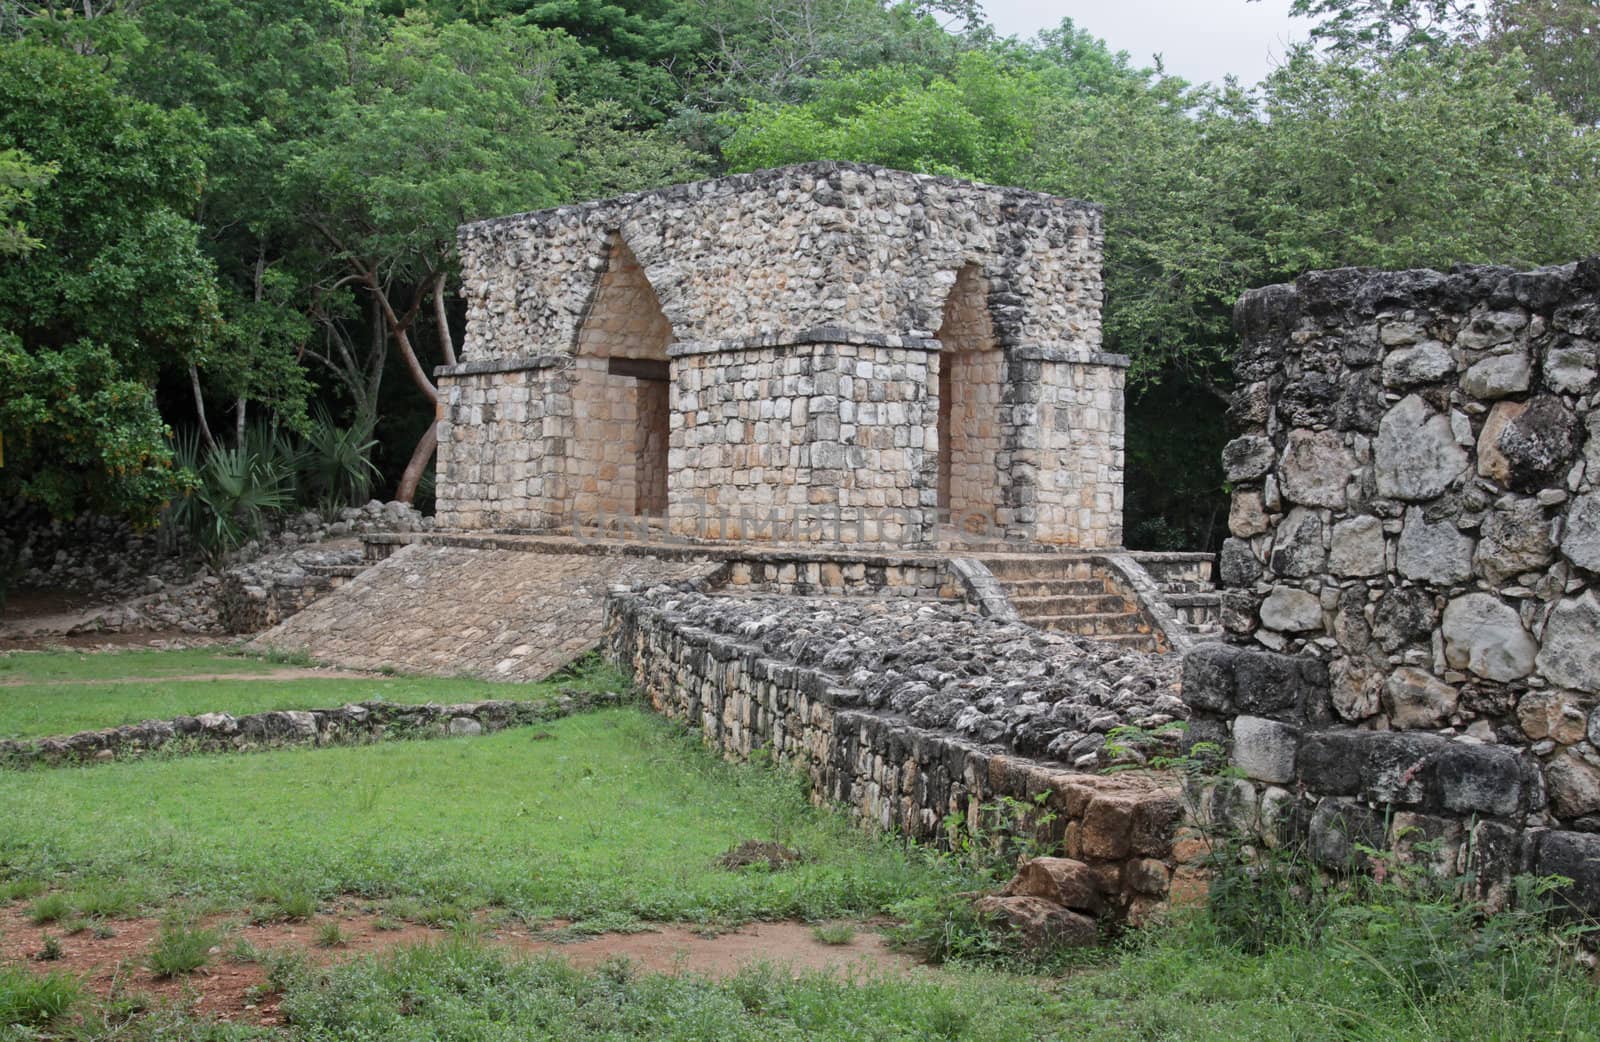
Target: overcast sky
1200 40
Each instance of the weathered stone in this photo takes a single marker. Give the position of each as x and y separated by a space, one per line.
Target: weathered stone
1497 376
1210 677
1297 549
1570 655
1491 329
1481 779
1354 690
1427 362
1039 924
1149 877
1403 616
1247 458
1485 635
1492 463
1265 749
465 725
1246 515
1358 547
1108 827
1515 539
1339 832
1574 856
1436 553
1314 469
1580 540
1551 714
1574 786
1291 610
1281 687
1238 565
1534 444
1415 455
1416 699
1063 881
1571 369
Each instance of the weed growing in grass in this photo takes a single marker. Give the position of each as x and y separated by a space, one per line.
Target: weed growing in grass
29 1000
181 948
834 933
281 656
101 931
107 900
20 889
50 949
330 935
50 908
286 903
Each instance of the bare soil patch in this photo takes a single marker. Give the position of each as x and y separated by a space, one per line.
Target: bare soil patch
239 991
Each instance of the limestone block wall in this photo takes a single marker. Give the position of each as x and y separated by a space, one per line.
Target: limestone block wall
889 773
1412 579
502 445
832 440
1076 483
781 251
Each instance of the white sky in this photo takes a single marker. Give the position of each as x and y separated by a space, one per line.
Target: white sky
1200 40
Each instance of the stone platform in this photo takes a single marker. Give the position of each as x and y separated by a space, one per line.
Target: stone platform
497 614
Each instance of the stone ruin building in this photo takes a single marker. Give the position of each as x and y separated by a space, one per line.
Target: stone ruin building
829 460
829 352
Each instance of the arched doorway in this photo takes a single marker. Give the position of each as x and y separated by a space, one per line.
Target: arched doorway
971 385
621 396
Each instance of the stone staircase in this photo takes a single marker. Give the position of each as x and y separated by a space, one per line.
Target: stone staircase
1076 595
1188 587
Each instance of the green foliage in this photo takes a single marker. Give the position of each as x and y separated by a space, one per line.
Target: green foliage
35 1000
336 467
117 287
238 488
49 909
181 948
834 933
19 176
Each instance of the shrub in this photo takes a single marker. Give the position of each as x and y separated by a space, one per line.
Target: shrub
181 949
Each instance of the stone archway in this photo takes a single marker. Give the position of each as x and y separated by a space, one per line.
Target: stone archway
971 388
621 396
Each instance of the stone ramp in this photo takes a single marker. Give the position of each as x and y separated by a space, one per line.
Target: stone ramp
496 614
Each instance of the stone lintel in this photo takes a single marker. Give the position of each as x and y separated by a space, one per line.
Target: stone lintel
911 341
509 364
1073 354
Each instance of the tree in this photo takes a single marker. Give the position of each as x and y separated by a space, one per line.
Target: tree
117 290
19 176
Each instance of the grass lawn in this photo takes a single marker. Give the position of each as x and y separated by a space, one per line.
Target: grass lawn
54 693
609 814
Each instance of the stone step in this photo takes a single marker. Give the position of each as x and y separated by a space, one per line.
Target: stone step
1147 642
1039 566
1093 625
1052 587
1070 604
1178 588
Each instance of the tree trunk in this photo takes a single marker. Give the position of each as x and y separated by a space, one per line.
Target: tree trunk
200 408
442 320
407 491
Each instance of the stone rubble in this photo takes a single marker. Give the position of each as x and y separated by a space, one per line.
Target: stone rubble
946 668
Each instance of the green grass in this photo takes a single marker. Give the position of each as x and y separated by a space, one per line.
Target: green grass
181 948
51 703
615 812
33 1000
115 665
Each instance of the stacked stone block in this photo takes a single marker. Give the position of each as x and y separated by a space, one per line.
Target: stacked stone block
1414 574
805 316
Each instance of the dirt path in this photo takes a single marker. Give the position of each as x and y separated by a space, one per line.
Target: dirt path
238 991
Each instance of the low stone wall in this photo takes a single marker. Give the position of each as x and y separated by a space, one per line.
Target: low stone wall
712 670
352 724
1413 582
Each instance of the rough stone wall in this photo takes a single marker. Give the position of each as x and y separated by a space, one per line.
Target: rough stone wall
801 310
832 439
723 677
780 251
1414 563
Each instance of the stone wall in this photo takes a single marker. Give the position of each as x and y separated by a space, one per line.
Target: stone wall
820 688
353 724
826 331
1412 579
